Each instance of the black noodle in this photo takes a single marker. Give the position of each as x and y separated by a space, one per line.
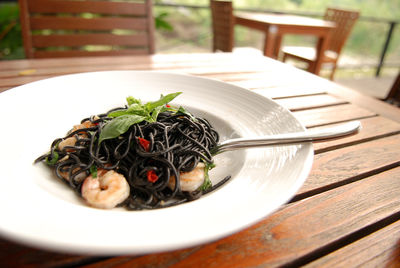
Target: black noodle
177 143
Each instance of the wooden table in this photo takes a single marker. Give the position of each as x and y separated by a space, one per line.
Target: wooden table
346 214
275 26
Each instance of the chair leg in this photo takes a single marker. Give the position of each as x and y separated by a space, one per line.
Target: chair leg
311 65
284 57
333 71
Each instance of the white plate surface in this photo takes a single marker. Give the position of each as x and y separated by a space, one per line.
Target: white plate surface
38 210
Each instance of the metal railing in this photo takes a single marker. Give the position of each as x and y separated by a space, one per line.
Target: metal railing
389 35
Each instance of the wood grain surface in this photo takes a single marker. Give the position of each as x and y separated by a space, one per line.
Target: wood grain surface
347 212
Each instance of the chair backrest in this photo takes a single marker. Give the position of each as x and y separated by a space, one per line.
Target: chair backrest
222 25
69 28
345 20
394 94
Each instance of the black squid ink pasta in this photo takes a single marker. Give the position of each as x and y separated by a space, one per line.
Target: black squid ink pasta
141 156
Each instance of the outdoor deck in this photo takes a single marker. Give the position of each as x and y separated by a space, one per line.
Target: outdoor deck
367 84
374 86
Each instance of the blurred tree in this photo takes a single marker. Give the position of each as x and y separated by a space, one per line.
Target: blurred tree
10 32
161 23
298 2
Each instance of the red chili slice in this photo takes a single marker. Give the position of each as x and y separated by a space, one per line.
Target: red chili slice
144 143
152 176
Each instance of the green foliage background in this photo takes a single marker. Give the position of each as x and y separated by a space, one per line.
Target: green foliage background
179 27
11 43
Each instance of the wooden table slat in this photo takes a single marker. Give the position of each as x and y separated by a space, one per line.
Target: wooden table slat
379 249
116 60
106 66
364 101
286 91
372 128
333 114
16 255
309 102
345 165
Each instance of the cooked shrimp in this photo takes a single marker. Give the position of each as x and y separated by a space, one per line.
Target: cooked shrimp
80 177
71 141
190 181
85 124
107 190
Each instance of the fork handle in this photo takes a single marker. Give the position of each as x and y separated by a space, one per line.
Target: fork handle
291 138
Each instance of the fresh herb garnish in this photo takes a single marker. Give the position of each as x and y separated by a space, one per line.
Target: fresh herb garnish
93 171
119 125
182 110
54 158
207 182
135 113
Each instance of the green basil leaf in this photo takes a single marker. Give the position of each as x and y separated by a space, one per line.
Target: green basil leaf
131 100
137 109
150 106
119 125
135 113
155 113
117 113
133 109
182 110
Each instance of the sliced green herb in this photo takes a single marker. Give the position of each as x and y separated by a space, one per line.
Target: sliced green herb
54 158
207 182
93 171
54 155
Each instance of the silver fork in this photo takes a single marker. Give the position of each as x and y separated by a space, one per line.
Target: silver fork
339 131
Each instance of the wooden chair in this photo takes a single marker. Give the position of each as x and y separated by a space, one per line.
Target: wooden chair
394 94
222 25
345 21
65 28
